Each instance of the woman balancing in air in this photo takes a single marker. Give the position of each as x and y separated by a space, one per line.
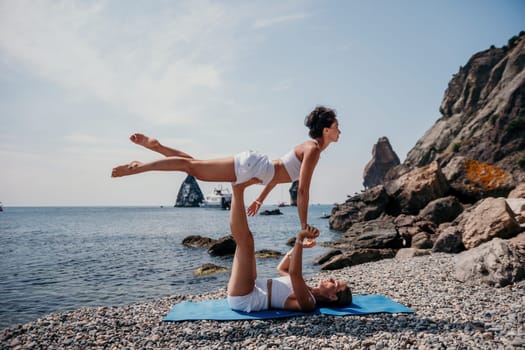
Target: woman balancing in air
247 293
298 164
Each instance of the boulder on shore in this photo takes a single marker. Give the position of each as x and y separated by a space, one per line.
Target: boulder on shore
441 210
368 205
379 233
196 241
414 190
489 218
497 263
518 191
357 256
268 254
406 253
327 256
449 241
471 180
208 269
223 247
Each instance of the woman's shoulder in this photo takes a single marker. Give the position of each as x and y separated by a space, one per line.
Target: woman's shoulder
309 145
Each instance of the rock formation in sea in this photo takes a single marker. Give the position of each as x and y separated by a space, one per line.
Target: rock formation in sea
190 194
460 188
208 269
293 192
271 212
383 159
224 246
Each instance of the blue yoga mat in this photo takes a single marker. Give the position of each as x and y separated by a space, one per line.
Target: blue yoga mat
219 310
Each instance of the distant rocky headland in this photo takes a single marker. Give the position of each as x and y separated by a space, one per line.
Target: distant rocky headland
461 188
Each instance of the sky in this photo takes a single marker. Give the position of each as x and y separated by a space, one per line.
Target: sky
214 78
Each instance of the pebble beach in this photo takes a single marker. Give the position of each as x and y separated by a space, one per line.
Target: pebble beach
448 315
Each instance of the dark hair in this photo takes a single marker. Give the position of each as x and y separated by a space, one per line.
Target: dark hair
318 119
344 298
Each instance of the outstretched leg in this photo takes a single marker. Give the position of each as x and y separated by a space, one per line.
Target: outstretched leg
244 270
215 170
154 145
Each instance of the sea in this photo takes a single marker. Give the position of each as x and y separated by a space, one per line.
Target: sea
55 259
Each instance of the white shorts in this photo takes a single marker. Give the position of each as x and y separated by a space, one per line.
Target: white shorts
255 301
251 164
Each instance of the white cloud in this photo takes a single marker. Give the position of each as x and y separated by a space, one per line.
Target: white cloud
80 138
268 22
153 68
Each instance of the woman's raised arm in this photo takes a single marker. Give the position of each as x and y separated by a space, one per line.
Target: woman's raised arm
284 265
303 298
257 203
310 158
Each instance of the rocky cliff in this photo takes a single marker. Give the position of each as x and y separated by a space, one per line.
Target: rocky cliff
462 187
190 194
483 113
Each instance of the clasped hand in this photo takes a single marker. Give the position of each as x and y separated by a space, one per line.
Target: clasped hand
308 236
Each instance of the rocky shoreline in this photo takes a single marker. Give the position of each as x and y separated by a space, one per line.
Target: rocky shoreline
448 315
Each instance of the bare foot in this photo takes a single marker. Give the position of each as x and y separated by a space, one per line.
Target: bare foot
126 169
145 141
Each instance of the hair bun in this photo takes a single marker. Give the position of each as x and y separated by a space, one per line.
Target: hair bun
321 117
313 118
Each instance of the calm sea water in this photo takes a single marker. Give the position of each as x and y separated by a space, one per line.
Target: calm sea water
55 259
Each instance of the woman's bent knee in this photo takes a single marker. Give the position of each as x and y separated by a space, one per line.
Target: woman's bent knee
188 166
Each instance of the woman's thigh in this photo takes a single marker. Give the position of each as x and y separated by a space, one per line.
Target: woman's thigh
243 273
214 170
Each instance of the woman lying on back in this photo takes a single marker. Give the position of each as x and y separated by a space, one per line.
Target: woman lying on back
290 291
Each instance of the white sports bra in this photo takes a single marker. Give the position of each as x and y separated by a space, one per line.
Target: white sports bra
281 290
292 165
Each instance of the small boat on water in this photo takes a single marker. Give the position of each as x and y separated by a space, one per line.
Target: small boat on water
218 198
1 208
